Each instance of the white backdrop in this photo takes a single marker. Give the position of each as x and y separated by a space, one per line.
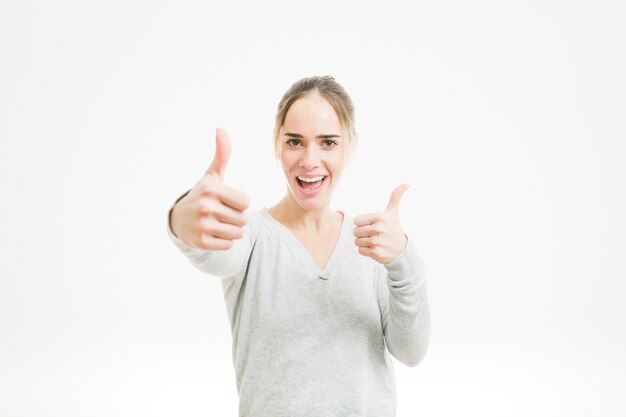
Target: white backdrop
506 118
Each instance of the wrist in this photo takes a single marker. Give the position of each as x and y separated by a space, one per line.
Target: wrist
171 216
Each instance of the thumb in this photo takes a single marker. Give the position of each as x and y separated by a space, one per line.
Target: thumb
222 153
396 195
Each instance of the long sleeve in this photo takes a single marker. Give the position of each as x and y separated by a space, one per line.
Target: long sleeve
403 301
218 263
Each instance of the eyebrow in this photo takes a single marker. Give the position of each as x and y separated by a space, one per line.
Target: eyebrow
299 136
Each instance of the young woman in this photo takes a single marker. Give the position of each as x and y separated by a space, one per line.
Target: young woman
316 300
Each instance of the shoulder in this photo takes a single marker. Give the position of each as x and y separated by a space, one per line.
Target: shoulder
347 217
347 221
258 221
259 216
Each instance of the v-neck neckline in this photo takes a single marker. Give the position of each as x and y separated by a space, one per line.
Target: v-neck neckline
323 273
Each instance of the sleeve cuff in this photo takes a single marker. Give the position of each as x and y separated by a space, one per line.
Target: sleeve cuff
405 265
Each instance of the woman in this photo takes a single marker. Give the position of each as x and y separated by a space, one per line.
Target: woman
313 296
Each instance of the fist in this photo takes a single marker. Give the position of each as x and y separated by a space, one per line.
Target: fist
212 215
379 235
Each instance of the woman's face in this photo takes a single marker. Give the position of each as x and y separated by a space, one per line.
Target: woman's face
311 151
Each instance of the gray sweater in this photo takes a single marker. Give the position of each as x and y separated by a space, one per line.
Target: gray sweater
310 342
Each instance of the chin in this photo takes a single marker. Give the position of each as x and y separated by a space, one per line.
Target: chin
312 205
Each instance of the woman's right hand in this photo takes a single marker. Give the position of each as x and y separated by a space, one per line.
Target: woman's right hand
212 214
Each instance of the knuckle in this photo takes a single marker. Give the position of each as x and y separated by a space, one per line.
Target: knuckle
246 200
205 206
207 224
200 207
206 239
199 241
208 187
239 233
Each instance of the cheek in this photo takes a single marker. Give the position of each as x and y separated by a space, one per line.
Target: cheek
336 163
286 163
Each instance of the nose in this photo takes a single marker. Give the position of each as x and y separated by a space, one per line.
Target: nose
311 158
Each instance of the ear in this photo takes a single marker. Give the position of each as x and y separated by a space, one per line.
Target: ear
277 152
277 144
353 143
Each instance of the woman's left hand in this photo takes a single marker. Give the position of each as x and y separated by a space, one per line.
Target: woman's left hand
379 235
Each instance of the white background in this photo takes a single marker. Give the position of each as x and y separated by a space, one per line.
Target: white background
508 120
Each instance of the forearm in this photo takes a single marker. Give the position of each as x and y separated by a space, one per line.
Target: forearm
406 318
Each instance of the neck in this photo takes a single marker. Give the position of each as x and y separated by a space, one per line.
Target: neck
289 212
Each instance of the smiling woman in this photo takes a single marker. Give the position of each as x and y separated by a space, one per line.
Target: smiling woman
312 161
317 301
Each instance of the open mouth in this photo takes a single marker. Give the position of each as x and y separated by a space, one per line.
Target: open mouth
310 184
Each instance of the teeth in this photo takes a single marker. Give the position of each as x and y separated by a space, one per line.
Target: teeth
310 179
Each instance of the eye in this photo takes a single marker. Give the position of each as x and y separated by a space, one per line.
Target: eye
328 143
294 143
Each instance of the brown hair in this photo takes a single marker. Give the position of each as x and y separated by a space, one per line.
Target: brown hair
334 93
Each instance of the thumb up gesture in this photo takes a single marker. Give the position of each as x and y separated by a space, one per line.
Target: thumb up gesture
379 235
212 214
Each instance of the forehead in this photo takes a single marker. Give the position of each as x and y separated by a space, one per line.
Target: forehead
312 114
